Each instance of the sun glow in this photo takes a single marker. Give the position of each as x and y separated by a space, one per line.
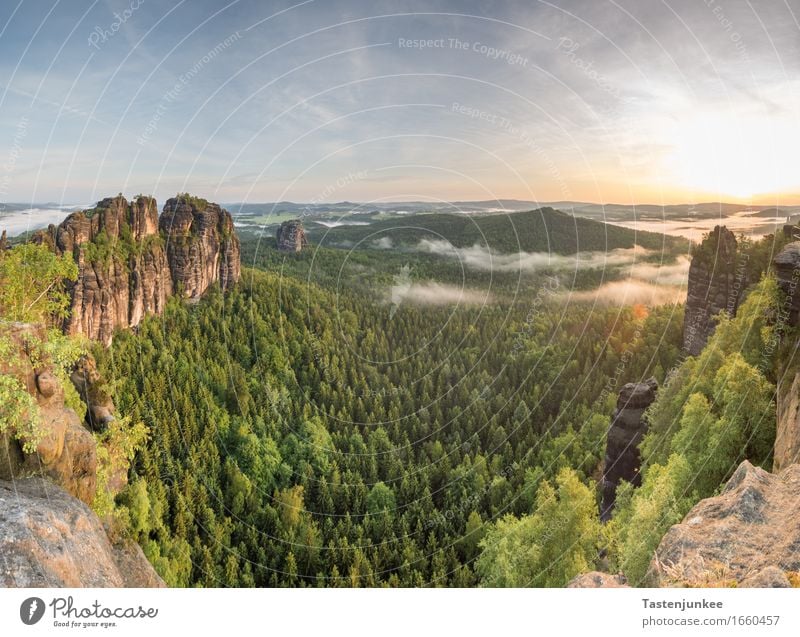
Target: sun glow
736 155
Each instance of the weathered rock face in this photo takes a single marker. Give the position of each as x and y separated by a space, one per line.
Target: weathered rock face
67 452
91 388
123 270
787 434
753 525
202 246
715 285
49 538
787 270
628 427
291 236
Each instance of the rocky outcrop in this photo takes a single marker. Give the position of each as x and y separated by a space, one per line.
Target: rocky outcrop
48 538
92 390
735 537
787 271
787 432
291 236
628 427
130 262
598 579
66 452
202 246
123 269
716 282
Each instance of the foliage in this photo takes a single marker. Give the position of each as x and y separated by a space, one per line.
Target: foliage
20 413
198 203
280 455
116 448
715 411
31 284
551 546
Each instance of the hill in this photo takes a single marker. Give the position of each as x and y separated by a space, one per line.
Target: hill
542 230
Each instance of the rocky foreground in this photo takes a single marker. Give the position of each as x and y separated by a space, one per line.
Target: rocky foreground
50 538
746 536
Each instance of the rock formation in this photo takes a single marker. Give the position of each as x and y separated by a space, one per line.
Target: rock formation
715 285
628 427
202 246
787 270
130 262
49 538
123 270
291 236
91 388
66 453
48 534
787 431
744 536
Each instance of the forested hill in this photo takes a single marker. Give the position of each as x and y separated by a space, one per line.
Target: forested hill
542 230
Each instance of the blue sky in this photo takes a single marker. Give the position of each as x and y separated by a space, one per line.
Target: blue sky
335 100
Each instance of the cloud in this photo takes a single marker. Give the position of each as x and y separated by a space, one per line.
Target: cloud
674 274
433 293
384 243
628 292
483 258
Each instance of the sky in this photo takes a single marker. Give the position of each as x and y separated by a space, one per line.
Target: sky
342 100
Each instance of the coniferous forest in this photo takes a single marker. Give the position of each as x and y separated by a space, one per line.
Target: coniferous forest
300 437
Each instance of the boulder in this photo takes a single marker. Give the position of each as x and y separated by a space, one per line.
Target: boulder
732 538
48 538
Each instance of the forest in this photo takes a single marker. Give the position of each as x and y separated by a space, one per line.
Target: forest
299 430
301 437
